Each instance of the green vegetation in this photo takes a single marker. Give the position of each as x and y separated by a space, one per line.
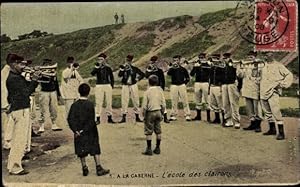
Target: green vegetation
81 44
223 49
294 66
291 91
243 49
209 19
166 23
189 47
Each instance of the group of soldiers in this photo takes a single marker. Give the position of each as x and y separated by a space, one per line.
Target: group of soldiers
219 83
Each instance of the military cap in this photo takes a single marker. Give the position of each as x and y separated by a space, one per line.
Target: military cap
216 55
70 59
154 58
202 55
227 55
252 53
177 56
129 57
13 58
102 55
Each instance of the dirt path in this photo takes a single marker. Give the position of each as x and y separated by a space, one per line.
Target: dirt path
197 150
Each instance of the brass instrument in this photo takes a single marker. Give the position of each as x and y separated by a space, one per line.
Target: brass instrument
44 73
250 64
75 65
152 68
217 62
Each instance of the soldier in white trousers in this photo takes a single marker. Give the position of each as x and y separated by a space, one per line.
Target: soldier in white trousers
179 78
130 76
6 120
104 86
251 75
201 72
275 76
19 91
216 78
49 96
230 94
70 82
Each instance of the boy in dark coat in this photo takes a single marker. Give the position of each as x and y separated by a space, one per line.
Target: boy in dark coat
81 120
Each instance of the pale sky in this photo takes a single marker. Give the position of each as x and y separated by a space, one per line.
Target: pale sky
57 18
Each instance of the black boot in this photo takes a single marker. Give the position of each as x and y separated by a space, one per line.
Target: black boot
123 120
137 118
258 127
252 126
198 116
166 120
109 119
101 171
148 150
33 134
217 118
98 120
272 129
85 170
280 135
208 116
223 119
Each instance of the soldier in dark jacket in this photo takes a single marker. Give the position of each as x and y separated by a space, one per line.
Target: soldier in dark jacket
152 69
130 76
19 91
230 93
81 120
49 97
216 78
179 78
201 72
104 86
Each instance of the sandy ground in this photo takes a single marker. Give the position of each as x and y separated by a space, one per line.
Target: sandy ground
194 153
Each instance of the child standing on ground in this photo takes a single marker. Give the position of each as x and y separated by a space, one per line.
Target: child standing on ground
81 120
154 105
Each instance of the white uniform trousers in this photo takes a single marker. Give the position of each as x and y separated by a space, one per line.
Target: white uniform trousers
254 110
230 99
101 91
178 92
271 108
21 137
48 106
68 104
201 95
130 91
215 98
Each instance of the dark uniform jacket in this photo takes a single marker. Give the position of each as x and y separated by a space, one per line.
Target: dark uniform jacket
19 91
131 73
51 86
179 75
82 118
104 75
217 75
201 72
160 74
229 75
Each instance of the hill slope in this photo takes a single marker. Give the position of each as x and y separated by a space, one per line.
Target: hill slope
185 35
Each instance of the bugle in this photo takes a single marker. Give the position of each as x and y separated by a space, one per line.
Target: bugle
44 73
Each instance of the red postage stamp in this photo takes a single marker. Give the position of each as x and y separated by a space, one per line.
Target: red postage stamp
275 25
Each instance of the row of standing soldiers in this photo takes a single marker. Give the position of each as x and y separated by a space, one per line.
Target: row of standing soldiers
219 83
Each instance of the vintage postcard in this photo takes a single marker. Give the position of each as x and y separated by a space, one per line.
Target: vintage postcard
172 93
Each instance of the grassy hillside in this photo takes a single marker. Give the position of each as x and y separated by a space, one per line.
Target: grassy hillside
116 55
189 47
79 44
184 35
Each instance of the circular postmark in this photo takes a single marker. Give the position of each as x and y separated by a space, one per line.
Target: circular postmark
261 22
